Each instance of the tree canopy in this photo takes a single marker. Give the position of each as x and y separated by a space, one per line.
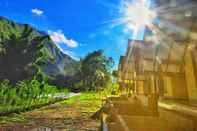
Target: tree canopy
95 71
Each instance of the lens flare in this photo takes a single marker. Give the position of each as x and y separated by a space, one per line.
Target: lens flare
138 14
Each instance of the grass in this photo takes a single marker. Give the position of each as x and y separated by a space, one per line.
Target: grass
19 118
17 114
33 103
87 103
86 99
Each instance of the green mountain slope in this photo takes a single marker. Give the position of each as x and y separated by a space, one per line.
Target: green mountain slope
24 50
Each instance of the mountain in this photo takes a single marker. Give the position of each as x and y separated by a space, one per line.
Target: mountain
23 49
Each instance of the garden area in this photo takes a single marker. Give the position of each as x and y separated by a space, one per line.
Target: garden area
76 113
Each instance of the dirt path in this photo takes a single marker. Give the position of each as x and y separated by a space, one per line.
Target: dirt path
70 115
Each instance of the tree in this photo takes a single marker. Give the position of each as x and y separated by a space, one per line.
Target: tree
95 71
115 73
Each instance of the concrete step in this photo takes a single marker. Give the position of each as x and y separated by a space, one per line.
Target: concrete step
144 123
128 108
143 114
121 98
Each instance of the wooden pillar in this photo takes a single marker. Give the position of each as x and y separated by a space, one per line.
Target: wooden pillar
191 76
153 85
160 86
168 93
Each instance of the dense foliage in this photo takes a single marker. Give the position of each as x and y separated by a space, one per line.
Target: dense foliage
94 72
24 95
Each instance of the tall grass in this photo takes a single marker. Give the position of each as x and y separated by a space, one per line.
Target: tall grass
25 95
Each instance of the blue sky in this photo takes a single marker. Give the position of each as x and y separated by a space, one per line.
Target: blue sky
77 26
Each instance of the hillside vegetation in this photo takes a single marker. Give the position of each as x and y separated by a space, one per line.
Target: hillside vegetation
33 69
30 67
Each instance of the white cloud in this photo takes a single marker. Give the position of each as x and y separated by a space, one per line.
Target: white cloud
68 52
71 54
59 37
37 12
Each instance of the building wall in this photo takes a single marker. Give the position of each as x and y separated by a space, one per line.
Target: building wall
179 90
175 88
147 88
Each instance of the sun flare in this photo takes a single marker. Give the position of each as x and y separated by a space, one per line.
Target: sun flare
138 14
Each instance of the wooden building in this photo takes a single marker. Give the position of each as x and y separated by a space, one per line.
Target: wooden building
161 74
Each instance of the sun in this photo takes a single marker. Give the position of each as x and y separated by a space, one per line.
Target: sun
138 14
